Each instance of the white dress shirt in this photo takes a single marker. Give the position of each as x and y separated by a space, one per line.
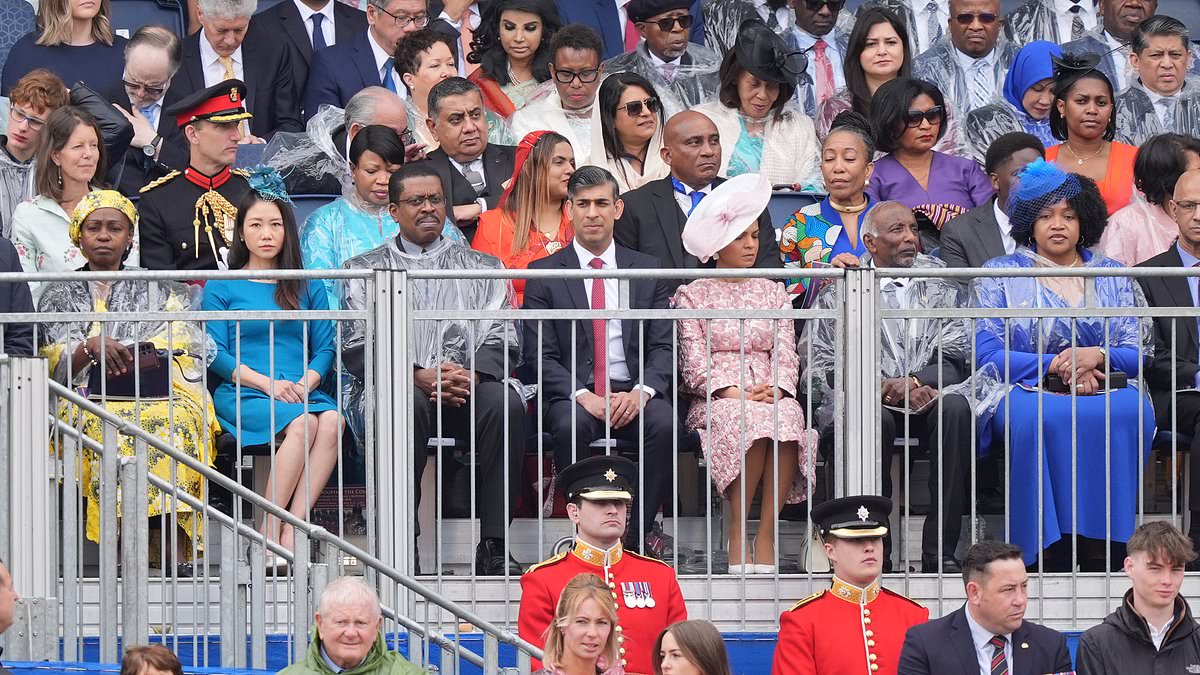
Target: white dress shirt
983 651
1159 633
685 200
327 30
214 72
783 15
805 41
622 16
153 111
471 14
381 58
1010 244
661 66
1065 17
920 10
968 64
1164 106
1120 56
618 369
476 165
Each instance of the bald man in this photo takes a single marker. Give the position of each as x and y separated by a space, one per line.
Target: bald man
656 212
1179 369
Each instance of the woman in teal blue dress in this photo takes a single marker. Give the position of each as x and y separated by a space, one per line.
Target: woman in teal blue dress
269 389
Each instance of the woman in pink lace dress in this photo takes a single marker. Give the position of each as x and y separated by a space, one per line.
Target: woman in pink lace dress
743 374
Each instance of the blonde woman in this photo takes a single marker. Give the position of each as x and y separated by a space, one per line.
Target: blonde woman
74 40
582 639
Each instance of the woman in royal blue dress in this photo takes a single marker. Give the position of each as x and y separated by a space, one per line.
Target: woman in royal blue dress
271 395
1074 457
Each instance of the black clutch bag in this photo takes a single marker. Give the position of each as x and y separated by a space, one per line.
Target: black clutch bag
150 377
1054 384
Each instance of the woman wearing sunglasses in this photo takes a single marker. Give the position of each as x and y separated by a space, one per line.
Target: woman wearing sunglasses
760 131
1084 119
1028 96
512 48
909 117
628 124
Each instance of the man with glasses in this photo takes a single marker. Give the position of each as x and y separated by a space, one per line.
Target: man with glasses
152 57
968 66
1112 38
613 25
341 71
31 100
224 49
473 170
576 71
460 366
683 74
822 32
1174 372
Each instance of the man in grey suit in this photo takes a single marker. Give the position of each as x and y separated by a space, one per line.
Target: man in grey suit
983 232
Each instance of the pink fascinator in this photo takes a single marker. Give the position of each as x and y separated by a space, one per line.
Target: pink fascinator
725 214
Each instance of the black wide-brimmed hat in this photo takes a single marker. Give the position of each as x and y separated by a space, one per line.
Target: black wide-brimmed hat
766 56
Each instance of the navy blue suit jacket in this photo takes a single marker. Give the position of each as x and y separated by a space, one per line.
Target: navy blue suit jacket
14 297
945 646
339 72
601 16
283 21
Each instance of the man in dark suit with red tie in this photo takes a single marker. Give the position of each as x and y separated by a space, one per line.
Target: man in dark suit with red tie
604 379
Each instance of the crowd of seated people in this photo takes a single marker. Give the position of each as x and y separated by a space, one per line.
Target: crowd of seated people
521 134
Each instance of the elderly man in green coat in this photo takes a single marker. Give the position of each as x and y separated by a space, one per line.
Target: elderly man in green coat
347 639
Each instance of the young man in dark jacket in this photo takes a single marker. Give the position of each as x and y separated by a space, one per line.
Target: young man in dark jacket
1153 630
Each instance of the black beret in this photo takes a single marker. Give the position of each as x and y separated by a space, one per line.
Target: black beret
644 10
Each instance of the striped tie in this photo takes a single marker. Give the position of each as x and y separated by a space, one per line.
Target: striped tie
982 84
999 661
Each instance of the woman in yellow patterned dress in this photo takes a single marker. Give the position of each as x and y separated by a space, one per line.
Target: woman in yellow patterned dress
103 226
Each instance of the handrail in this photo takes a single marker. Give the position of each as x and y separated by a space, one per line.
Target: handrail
314 532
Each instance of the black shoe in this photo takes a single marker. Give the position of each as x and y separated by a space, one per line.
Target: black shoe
491 562
949 565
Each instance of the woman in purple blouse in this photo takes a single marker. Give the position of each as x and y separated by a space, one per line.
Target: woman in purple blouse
909 118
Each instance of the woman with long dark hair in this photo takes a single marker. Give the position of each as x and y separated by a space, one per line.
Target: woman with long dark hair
628 124
512 48
878 52
692 647
271 395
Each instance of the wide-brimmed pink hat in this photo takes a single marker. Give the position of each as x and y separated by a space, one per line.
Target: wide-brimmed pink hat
725 214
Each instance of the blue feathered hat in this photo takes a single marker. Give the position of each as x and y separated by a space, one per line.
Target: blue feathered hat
1039 184
267 182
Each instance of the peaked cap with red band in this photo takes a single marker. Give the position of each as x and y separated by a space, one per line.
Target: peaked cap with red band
222 102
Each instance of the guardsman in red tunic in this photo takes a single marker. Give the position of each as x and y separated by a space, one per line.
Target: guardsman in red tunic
856 627
646 592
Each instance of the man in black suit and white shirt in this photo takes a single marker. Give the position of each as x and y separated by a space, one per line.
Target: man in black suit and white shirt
604 379
1176 362
473 170
982 233
655 213
309 25
989 633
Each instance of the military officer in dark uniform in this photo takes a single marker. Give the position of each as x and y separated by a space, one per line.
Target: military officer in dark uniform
187 217
856 627
645 590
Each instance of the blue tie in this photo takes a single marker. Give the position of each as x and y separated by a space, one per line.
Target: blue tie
695 195
387 75
149 113
318 34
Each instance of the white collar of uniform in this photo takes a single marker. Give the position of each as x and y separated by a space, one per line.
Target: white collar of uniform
306 12
209 56
585 256
980 635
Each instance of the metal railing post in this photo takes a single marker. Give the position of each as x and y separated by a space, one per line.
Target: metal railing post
861 399
135 556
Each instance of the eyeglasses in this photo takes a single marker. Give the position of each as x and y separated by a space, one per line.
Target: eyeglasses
634 108
816 5
668 23
150 91
913 118
402 20
985 18
1186 207
568 76
418 201
18 117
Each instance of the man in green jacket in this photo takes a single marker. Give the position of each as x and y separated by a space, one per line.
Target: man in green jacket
347 639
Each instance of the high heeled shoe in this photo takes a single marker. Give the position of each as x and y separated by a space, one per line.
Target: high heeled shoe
739 570
764 569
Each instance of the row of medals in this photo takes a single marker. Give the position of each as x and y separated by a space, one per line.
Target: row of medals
637 594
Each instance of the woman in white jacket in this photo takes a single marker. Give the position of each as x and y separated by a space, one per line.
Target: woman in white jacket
761 132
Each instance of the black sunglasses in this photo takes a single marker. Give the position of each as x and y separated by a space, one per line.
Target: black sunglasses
913 118
668 23
568 76
816 5
634 108
985 18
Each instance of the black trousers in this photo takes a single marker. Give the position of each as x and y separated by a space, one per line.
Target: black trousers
1182 415
495 446
650 433
947 487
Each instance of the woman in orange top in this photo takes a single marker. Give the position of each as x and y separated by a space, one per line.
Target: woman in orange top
531 221
1084 119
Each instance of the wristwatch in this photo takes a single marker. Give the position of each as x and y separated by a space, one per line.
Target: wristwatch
151 148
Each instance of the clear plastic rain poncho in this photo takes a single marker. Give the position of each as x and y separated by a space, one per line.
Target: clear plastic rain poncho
905 345
491 347
694 80
940 67
311 158
1139 118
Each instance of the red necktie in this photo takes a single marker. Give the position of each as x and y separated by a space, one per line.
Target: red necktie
825 83
599 334
631 36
